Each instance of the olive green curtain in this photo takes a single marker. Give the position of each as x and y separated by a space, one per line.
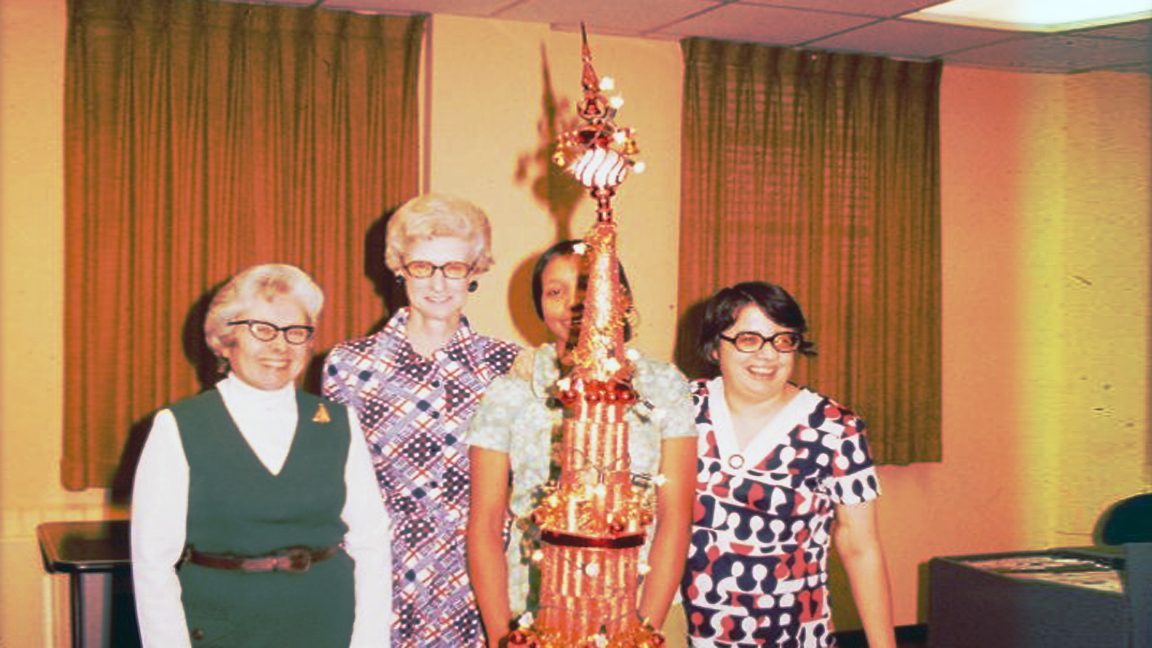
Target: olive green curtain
820 172
202 138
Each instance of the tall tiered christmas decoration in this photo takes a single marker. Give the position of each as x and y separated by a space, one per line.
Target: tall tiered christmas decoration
594 518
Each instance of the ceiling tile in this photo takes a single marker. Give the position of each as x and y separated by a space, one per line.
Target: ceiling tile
1143 68
1139 30
906 38
449 7
295 3
1057 53
742 22
606 15
864 26
877 8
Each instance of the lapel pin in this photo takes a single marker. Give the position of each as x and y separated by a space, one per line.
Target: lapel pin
321 415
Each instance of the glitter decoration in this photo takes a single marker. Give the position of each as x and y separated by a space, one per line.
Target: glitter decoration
593 518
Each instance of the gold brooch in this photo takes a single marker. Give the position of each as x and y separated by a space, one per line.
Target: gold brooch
321 415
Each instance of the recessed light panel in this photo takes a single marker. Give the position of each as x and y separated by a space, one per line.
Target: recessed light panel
1035 15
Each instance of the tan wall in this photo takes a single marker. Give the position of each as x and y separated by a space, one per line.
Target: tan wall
1105 282
31 314
1046 296
1046 206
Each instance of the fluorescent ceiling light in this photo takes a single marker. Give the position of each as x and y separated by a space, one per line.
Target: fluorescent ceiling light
1035 15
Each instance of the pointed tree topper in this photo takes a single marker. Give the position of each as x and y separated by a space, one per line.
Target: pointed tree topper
598 152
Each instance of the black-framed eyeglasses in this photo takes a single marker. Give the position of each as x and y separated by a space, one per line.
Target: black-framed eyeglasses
450 270
266 331
751 341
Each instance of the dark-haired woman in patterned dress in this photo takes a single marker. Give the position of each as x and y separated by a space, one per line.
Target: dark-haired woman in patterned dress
414 386
782 471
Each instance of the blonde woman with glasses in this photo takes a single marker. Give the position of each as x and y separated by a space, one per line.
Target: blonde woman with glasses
415 385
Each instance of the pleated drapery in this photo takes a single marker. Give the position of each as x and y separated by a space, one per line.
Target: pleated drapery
820 172
202 138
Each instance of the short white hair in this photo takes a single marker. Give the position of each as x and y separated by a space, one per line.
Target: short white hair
258 282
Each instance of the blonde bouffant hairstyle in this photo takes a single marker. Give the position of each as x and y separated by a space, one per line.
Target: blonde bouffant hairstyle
438 215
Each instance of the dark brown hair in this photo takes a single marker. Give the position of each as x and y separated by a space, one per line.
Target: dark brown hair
722 309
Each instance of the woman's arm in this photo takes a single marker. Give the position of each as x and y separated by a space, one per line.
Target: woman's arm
159 519
673 526
857 541
369 544
487 566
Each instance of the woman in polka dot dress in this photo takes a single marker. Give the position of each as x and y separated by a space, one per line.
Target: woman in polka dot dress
781 471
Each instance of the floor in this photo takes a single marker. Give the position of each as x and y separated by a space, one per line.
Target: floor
913 636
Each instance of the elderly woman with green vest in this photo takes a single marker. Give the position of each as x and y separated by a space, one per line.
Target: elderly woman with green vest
256 520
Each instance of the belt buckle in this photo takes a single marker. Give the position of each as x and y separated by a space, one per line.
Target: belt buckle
295 559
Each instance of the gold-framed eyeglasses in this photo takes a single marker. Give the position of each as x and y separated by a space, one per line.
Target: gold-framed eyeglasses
267 331
450 270
751 341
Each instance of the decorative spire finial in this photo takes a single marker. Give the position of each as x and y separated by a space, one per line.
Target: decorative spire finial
598 152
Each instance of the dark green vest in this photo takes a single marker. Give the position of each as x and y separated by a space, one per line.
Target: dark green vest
236 506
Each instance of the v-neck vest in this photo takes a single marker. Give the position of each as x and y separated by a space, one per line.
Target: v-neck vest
235 505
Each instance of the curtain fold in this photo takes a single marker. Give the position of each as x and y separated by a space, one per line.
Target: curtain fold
202 138
820 172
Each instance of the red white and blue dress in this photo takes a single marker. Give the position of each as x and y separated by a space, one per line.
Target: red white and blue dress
414 411
757 563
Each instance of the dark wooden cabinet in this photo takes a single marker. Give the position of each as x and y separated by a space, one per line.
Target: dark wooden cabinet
95 555
1073 598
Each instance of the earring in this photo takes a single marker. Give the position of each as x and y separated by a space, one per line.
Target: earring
473 285
400 280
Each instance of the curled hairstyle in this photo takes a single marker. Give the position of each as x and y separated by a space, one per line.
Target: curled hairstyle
437 215
722 309
563 249
265 282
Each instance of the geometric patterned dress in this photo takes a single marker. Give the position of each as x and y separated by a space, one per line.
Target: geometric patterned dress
757 564
414 410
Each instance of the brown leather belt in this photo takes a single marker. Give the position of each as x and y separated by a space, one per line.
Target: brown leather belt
288 559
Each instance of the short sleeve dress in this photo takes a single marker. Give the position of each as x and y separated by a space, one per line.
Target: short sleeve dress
517 418
757 563
413 410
